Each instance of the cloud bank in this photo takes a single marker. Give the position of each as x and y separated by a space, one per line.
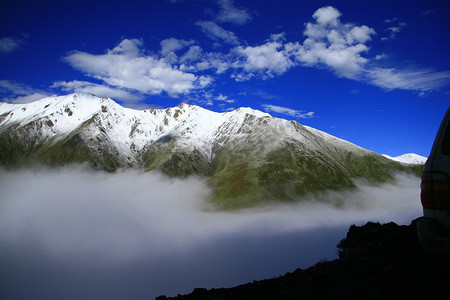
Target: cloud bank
79 234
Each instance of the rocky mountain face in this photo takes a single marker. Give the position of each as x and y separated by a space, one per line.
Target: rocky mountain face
247 156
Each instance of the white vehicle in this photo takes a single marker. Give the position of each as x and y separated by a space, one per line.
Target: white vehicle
434 227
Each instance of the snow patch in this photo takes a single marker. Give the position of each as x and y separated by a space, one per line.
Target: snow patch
408 158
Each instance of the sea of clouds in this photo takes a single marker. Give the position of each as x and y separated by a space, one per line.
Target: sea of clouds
74 233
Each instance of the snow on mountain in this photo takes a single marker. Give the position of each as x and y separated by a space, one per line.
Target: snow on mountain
246 156
408 158
54 109
194 127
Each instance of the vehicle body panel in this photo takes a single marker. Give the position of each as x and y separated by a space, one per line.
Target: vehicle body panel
434 227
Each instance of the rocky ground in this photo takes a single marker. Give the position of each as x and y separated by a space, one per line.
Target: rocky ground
376 261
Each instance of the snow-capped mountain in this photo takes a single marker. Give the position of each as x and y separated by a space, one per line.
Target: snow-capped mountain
408 158
246 156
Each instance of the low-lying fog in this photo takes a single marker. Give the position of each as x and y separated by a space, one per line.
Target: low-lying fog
79 234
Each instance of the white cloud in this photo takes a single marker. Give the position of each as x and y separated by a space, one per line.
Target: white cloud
288 111
393 30
17 93
99 90
196 60
204 81
173 44
429 12
128 47
380 56
224 99
127 67
278 37
414 80
231 14
15 87
346 61
333 44
390 20
26 99
329 43
215 32
268 59
8 44
112 234
327 16
129 72
244 76
359 34
340 47
193 54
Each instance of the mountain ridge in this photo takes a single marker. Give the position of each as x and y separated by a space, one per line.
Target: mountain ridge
246 156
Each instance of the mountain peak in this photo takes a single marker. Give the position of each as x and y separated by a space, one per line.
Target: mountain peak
183 105
251 111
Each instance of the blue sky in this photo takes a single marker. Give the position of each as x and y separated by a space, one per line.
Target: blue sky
376 73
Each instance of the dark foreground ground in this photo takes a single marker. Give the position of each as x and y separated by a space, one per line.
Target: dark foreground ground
375 262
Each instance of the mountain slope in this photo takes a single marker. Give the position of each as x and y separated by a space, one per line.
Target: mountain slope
246 156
